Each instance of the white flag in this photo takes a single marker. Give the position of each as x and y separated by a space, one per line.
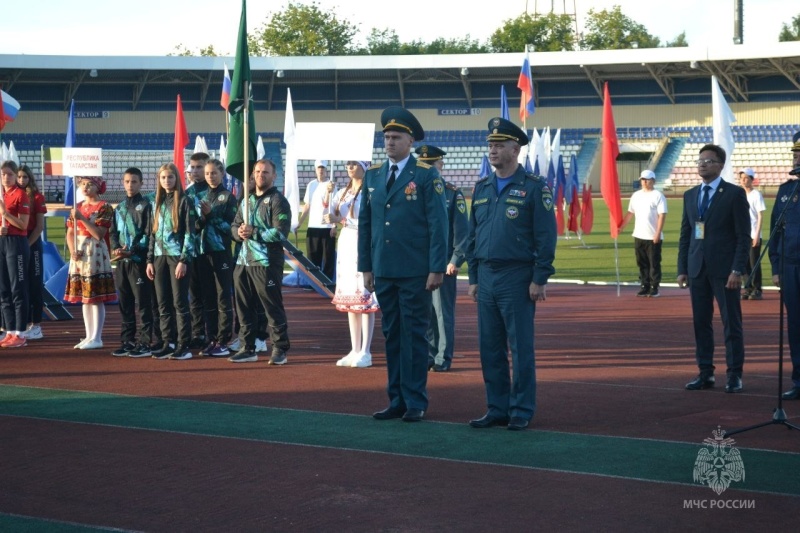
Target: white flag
533 150
12 153
260 152
723 134
291 185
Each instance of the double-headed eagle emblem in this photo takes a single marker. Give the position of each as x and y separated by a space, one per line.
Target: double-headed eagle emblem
719 463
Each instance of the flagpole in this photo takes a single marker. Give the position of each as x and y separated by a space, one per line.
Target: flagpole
75 219
616 263
246 153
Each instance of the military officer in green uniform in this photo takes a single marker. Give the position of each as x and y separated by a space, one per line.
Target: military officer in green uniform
510 253
402 252
441 331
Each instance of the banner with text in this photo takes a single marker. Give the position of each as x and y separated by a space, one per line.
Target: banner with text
73 161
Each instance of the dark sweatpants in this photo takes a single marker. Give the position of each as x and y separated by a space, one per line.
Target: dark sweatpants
14 252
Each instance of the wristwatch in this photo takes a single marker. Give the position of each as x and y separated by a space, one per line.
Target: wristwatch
736 273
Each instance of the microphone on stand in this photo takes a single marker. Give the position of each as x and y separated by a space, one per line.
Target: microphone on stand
795 172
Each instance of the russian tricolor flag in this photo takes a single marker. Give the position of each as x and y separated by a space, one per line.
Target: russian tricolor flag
225 99
525 84
10 107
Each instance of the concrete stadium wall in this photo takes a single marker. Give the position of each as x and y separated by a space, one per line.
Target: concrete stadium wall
272 121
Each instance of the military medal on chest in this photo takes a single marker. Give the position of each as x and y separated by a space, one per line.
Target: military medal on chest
411 191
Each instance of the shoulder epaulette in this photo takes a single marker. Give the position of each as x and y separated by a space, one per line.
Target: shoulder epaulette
534 177
422 165
483 179
376 165
450 186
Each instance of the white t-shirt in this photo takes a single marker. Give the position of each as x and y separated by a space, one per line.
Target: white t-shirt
315 195
646 206
756 202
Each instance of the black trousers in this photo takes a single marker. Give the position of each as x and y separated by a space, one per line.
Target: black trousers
754 274
14 252
35 283
648 259
260 288
203 299
322 250
173 302
219 317
134 288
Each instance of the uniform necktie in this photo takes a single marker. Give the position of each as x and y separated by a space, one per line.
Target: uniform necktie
392 177
705 201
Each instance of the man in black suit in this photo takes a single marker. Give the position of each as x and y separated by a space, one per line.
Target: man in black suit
712 253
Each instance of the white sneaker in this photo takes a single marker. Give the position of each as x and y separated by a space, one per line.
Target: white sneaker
347 359
34 333
235 345
80 344
91 345
363 360
261 345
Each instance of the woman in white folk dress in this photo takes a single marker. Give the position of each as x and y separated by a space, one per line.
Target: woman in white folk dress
351 297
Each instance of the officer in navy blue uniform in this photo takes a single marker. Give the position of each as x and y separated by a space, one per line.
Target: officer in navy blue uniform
402 252
441 331
789 280
510 253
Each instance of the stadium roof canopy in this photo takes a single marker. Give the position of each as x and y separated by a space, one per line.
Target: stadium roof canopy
655 76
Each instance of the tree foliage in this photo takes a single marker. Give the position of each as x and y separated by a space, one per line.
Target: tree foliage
612 30
182 50
386 42
308 30
790 33
303 30
679 41
547 33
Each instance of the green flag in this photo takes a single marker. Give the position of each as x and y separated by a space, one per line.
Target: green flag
240 97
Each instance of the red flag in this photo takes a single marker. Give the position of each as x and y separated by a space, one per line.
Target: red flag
587 210
181 140
560 211
609 178
574 212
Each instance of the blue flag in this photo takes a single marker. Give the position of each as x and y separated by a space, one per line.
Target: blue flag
486 168
69 191
528 165
574 183
503 103
552 181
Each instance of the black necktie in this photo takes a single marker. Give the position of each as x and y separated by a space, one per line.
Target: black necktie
705 201
392 177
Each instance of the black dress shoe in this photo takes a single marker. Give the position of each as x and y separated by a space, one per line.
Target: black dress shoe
792 394
413 415
734 384
389 413
701 382
441 368
487 421
517 423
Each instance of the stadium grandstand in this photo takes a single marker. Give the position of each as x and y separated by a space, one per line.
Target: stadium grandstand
661 99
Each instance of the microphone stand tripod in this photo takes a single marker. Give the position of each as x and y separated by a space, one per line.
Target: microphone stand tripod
778 415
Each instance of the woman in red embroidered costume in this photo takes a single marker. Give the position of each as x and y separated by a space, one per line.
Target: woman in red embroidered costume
90 280
351 297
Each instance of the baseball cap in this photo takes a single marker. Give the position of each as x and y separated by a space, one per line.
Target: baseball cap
647 175
320 163
749 171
